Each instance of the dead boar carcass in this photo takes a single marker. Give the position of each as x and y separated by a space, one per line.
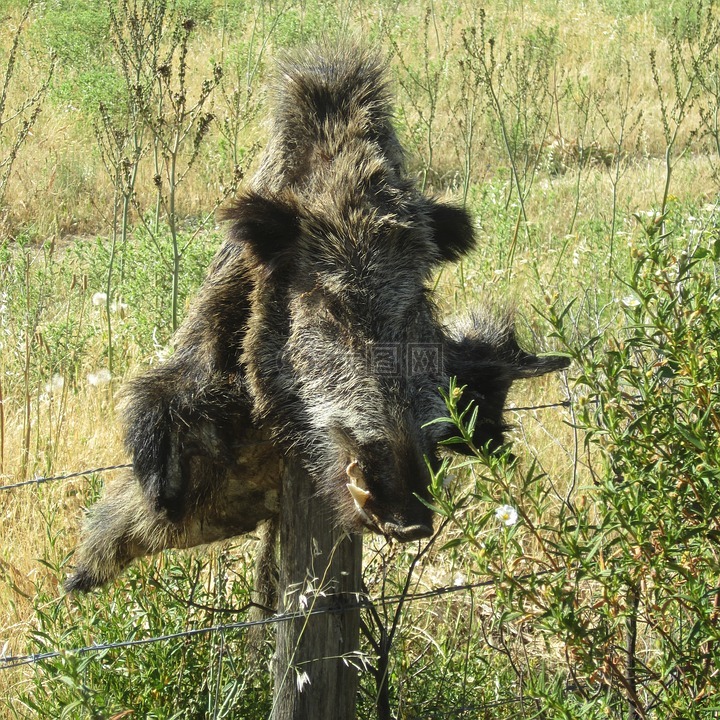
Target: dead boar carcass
314 336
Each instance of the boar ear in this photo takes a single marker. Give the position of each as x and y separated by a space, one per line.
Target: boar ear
529 366
487 347
268 224
452 230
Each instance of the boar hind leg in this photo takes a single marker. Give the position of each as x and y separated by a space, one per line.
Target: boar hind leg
120 527
124 525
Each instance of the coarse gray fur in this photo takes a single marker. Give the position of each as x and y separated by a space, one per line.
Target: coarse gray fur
314 336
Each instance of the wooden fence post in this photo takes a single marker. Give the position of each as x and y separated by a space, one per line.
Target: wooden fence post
320 568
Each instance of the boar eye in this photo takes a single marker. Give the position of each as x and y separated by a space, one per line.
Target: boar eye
321 306
332 309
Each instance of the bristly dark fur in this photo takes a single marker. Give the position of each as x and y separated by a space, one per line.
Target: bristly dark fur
268 225
314 336
318 98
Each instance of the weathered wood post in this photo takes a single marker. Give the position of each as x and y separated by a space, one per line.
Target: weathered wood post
312 677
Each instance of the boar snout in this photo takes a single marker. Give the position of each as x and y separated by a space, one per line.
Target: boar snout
412 523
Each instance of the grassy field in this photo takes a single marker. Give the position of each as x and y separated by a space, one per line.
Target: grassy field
585 138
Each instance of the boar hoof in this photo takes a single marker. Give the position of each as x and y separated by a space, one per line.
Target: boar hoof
81 581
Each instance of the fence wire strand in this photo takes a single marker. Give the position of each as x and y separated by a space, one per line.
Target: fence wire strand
13 661
66 476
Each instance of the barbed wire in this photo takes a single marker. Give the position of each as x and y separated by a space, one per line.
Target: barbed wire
12 661
124 466
562 403
465 710
66 476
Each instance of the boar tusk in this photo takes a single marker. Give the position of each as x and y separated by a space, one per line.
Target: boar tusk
359 495
355 474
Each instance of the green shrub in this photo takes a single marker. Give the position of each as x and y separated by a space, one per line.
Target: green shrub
618 571
216 674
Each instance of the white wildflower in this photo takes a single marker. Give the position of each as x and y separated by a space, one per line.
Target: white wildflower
119 307
507 515
55 385
100 377
99 298
303 601
630 301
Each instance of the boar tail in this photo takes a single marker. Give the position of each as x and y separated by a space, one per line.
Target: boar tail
326 101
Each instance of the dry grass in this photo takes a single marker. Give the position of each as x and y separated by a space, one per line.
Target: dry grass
60 186
40 522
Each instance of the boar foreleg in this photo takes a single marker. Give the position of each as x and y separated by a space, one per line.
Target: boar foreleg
172 418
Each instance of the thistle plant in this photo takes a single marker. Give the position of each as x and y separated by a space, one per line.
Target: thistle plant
16 122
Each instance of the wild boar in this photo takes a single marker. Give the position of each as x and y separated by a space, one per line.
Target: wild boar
313 337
